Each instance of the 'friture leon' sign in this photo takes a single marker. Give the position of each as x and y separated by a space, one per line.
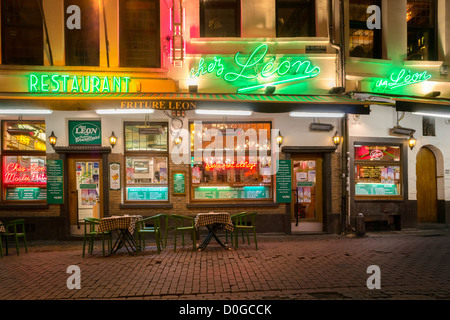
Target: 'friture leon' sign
159 104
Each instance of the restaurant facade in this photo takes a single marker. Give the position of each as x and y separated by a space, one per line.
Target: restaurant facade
187 107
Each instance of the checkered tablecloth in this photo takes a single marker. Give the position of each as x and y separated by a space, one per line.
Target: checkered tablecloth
204 219
2 228
118 222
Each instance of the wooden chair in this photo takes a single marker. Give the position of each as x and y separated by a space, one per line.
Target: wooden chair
245 222
181 224
142 229
90 232
16 229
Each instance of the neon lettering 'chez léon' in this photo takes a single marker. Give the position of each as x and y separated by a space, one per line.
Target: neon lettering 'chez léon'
401 79
248 69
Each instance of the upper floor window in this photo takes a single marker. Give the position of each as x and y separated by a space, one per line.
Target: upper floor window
220 18
421 19
82 46
296 18
363 42
22 32
139 33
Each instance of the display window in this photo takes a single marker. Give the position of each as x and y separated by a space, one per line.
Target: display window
24 172
378 171
146 163
238 168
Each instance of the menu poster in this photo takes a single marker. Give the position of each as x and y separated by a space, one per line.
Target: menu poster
114 176
312 175
302 176
179 183
306 194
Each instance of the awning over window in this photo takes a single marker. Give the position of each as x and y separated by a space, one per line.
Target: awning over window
168 101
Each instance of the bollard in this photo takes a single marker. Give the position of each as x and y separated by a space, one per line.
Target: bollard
360 228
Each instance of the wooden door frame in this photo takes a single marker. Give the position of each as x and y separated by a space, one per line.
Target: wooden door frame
325 152
101 153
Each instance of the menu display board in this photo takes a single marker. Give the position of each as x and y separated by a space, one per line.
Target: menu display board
179 183
283 181
25 194
147 193
55 182
248 192
376 189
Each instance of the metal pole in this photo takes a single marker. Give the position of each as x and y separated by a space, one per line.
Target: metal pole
46 32
106 32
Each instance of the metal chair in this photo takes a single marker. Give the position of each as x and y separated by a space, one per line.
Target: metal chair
90 232
182 223
16 229
142 229
244 222
233 218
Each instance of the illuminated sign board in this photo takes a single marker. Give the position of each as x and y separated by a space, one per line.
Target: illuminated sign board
256 69
224 166
401 79
64 83
19 175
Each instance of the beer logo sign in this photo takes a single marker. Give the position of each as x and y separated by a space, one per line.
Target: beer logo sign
85 133
376 154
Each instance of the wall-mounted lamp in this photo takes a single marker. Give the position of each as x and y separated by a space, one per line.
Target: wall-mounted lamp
270 90
178 140
412 142
193 88
279 139
112 139
52 138
337 139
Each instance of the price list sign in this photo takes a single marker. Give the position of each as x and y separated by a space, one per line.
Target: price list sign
55 182
283 179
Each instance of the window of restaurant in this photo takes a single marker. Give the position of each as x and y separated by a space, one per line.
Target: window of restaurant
421 19
82 46
220 18
238 168
139 33
22 32
146 162
378 171
296 18
363 42
24 174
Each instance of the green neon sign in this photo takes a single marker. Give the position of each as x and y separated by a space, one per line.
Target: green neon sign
55 83
257 68
401 79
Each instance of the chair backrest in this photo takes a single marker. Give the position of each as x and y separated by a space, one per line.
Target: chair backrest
91 223
180 220
14 224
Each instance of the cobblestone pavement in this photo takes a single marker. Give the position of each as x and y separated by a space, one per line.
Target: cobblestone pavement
413 264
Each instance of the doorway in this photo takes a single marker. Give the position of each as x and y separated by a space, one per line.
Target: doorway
307 193
85 190
426 186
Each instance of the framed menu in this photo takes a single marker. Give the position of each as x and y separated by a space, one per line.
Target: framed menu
114 176
179 182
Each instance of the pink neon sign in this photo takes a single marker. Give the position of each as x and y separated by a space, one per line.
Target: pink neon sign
32 175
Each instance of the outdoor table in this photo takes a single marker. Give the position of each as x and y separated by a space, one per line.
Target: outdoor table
213 221
125 225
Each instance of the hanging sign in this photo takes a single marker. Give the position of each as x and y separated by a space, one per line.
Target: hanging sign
85 132
256 69
401 79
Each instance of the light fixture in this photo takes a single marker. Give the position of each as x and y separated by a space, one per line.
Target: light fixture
321 127
336 90
316 114
433 94
402 131
412 142
224 112
336 139
52 138
193 88
178 140
123 111
270 90
279 139
430 114
25 111
112 139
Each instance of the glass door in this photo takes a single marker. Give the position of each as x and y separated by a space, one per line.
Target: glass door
306 212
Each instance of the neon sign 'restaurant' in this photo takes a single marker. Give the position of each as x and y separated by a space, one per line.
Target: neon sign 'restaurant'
401 79
256 67
71 83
